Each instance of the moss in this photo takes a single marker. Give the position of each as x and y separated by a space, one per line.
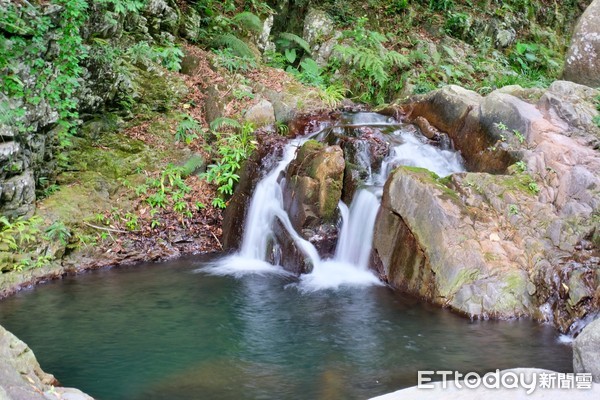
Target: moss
430 177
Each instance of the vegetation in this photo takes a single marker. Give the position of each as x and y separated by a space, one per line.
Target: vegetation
232 148
381 52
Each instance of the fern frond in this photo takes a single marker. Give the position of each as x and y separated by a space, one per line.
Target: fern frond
290 37
191 165
248 21
224 122
395 58
238 46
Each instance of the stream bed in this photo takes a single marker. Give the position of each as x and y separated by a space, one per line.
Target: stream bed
175 331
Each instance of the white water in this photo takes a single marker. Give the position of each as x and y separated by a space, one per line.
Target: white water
350 265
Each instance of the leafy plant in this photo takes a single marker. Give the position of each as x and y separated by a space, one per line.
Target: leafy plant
513 209
369 61
232 149
16 235
521 166
519 136
187 130
58 231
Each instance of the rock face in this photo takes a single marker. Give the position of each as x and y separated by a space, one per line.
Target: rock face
21 377
582 64
28 160
586 351
260 114
315 180
503 240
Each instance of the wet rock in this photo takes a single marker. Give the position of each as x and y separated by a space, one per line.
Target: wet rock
464 115
269 148
582 63
430 248
529 241
586 351
314 185
426 129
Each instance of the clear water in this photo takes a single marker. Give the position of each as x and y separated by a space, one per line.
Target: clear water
163 331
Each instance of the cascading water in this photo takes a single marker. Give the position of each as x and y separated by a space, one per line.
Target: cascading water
349 266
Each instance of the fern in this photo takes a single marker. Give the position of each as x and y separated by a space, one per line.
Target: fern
191 165
224 122
238 46
292 38
248 21
397 59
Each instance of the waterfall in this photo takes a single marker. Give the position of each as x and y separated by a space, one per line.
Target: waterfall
350 264
356 237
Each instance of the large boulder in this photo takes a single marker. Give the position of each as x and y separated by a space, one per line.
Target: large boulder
582 64
315 180
502 240
21 377
586 351
432 245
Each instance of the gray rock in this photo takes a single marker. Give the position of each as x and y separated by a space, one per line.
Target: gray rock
260 114
571 106
263 41
17 195
586 351
318 26
190 28
582 64
21 377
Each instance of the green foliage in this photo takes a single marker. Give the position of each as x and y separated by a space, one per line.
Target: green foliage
232 150
287 40
333 95
513 209
145 55
23 36
458 24
237 46
533 57
441 5
16 235
248 22
521 166
58 231
224 122
187 130
228 59
596 119
371 64
519 136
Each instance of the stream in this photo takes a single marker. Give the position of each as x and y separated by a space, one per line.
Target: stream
239 326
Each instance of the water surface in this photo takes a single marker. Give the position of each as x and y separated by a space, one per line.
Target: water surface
162 331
